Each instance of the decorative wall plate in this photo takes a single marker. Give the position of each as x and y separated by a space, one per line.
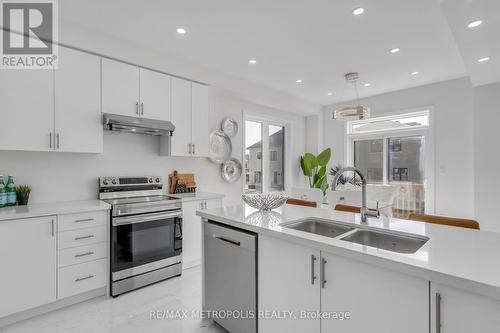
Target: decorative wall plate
220 147
229 126
231 170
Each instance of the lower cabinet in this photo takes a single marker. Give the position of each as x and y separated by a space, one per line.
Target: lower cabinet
378 300
192 230
458 311
356 297
28 263
288 280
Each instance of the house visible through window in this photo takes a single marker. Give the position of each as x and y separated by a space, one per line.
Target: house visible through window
264 156
393 152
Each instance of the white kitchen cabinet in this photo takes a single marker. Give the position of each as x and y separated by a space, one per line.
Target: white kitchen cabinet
192 231
27 110
199 116
462 312
379 300
155 95
181 117
190 117
28 274
78 120
120 88
288 280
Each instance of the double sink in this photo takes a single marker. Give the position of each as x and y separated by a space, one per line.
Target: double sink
368 237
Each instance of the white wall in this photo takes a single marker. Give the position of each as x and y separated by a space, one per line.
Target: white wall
66 176
452 102
487 156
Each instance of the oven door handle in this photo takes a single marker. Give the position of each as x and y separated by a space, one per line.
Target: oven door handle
145 218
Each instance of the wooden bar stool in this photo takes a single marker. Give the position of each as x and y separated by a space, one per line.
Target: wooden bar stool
299 202
451 221
349 208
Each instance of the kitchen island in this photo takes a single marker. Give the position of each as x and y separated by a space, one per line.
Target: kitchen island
450 284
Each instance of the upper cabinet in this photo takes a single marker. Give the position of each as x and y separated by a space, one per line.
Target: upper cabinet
155 95
120 88
53 110
132 91
78 124
27 109
190 107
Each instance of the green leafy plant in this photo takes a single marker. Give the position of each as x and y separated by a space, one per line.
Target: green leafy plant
23 194
314 168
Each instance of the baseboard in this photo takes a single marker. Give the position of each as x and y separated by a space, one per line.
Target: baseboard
189 264
30 313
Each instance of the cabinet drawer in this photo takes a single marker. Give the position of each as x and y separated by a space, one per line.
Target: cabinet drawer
80 278
80 254
82 220
80 237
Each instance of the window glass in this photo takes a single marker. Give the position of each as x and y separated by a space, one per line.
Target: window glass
369 158
276 143
253 157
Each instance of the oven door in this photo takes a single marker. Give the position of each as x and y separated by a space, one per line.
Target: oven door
145 242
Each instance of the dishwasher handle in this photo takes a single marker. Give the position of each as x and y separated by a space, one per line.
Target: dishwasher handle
227 240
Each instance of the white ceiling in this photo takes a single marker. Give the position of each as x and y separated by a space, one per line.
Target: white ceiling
313 40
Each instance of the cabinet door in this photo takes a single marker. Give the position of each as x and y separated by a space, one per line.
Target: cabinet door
28 252
120 88
191 234
27 104
78 122
285 280
155 95
379 300
463 312
200 109
181 117
213 203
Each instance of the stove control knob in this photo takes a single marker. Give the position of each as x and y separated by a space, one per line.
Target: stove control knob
105 182
114 182
157 180
150 180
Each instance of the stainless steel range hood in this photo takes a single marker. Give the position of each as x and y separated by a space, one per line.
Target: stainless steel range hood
115 122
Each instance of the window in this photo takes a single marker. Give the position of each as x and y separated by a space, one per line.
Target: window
264 153
395 151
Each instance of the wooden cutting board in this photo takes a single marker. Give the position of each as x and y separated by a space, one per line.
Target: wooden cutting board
176 178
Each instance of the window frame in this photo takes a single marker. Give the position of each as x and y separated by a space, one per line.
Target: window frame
426 131
266 152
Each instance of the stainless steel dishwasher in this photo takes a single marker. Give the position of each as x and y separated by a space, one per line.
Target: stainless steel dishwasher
230 277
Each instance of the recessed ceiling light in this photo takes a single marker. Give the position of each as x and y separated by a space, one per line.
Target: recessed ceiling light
330 94
368 84
395 50
415 73
358 11
252 61
298 81
483 59
181 31
474 24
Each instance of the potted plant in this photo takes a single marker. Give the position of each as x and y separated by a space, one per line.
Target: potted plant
314 168
23 194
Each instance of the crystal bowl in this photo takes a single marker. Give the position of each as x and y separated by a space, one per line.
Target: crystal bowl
265 201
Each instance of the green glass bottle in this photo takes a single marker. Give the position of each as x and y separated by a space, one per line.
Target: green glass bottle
3 194
10 190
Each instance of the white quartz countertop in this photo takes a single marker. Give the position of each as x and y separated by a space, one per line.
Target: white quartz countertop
463 258
197 196
52 208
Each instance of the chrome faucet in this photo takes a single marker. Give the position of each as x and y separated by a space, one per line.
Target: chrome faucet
365 212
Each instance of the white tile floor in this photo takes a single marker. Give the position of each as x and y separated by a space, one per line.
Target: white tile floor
129 312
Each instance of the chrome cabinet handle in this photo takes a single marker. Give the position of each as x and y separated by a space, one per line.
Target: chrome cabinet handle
142 108
136 107
228 240
313 277
57 139
84 237
438 313
201 205
194 146
189 148
205 205
84 278
84 254
50 140
84 220
322 272
53 229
